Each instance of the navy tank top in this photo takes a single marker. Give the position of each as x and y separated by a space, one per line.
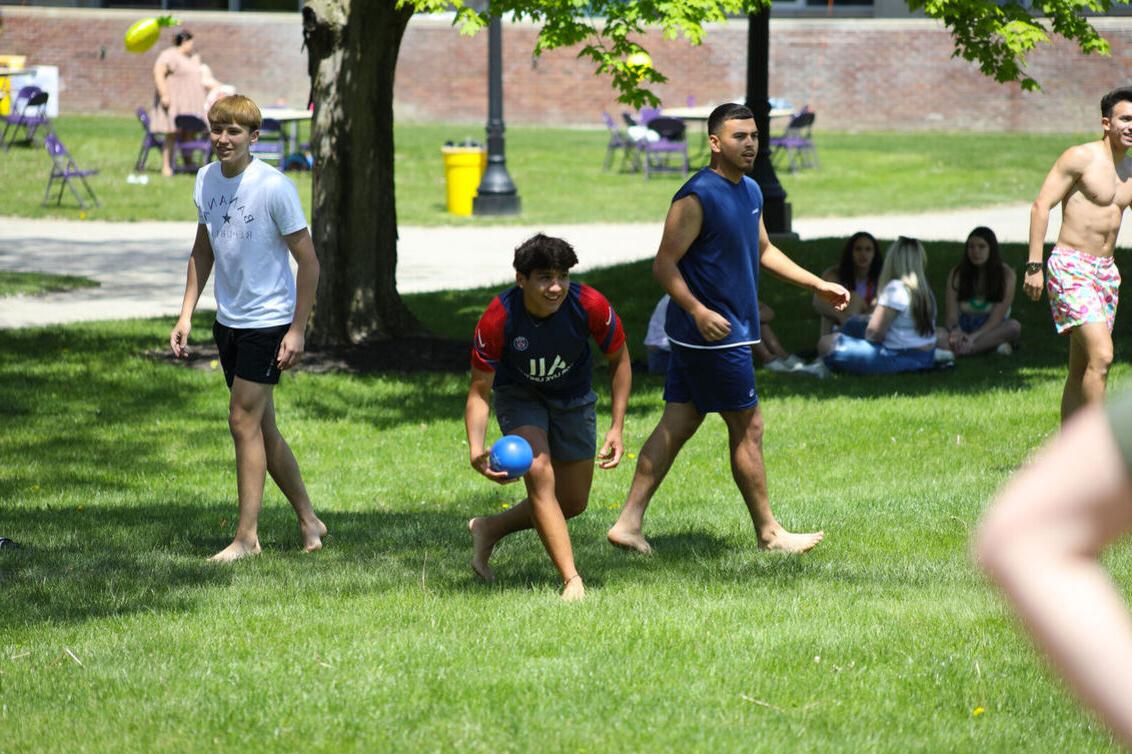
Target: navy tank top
721 267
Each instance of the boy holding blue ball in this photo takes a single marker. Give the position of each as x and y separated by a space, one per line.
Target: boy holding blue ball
531 349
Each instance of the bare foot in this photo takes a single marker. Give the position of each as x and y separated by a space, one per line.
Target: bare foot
313 531
780 540
238 549
481 549
574 591
628 539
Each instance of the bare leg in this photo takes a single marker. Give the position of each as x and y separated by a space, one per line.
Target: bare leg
1041 540
545 509
1008 331
246 408
745 435
1090 356
167 154
678 423
284 469
772 344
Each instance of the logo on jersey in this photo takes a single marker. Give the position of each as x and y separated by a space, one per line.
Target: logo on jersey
609 318
520 343
540 371
479 339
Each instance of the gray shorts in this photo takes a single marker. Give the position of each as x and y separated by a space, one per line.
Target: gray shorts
1119 412
570 425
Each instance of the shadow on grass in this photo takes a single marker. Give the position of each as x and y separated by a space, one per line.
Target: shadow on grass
85 564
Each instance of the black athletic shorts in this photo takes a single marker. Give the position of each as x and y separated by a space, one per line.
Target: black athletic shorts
249 354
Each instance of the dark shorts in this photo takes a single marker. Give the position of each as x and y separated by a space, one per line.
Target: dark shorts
969 323
712 379
249 354
570 425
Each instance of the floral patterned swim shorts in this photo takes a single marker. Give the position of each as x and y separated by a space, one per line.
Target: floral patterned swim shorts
1082 288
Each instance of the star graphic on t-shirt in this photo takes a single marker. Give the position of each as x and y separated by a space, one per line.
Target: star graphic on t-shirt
227 218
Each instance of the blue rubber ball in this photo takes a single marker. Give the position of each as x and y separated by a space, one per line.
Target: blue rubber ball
512 454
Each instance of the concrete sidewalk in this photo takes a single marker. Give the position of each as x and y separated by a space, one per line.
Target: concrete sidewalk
141 266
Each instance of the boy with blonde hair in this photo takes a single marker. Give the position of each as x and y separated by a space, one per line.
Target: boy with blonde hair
250 218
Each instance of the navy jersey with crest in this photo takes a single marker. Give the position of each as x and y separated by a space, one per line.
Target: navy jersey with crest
551 357
721 267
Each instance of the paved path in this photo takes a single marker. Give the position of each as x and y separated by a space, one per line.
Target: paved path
141 266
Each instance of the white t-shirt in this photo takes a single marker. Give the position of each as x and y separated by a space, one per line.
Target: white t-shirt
655 336
902 332
247 217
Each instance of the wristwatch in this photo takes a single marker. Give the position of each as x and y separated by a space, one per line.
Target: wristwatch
1032 267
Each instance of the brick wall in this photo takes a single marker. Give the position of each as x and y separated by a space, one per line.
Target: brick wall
857 74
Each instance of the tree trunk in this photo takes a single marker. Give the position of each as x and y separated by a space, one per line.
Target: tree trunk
352 47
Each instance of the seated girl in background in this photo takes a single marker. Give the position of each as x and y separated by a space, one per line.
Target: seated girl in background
768 352
857 270
900 335
980 290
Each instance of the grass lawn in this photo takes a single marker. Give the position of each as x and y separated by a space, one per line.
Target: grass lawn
25 283
116 635
558 173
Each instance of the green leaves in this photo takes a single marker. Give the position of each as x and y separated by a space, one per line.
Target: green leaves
998 36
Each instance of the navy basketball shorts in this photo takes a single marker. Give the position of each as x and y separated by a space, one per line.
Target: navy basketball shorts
570 425
712 379
249 353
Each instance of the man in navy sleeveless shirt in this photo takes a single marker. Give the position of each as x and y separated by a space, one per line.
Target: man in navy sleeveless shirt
713 245
531 349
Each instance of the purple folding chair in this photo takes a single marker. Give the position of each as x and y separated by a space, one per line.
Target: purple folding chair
29 112
270 145
150 140
619 141
192 137
64 169
656 154
796 142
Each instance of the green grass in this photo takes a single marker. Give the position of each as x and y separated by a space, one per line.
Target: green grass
25 283
558 174
116 472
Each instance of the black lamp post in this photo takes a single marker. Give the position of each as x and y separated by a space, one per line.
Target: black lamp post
776 210
497 193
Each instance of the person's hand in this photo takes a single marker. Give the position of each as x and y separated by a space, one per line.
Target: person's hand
1033 284
834 294
179 338
953 338
482 464
965 344
290 349
612 450
165 101
712 325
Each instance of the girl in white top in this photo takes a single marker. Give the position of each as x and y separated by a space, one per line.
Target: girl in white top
901 333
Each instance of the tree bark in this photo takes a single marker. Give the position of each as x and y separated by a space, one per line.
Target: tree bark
352 48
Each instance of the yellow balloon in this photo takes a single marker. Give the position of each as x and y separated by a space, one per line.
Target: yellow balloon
639 63
144 33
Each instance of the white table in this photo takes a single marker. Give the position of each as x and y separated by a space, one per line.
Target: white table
701 113
291 117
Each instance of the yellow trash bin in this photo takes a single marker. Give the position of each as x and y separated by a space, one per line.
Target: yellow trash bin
11 63
463 169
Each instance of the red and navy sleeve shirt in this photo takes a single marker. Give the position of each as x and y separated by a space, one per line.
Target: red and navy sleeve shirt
552 355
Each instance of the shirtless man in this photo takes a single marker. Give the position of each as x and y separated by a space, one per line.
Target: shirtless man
1093 183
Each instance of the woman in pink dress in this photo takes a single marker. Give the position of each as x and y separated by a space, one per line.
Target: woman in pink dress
180 91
